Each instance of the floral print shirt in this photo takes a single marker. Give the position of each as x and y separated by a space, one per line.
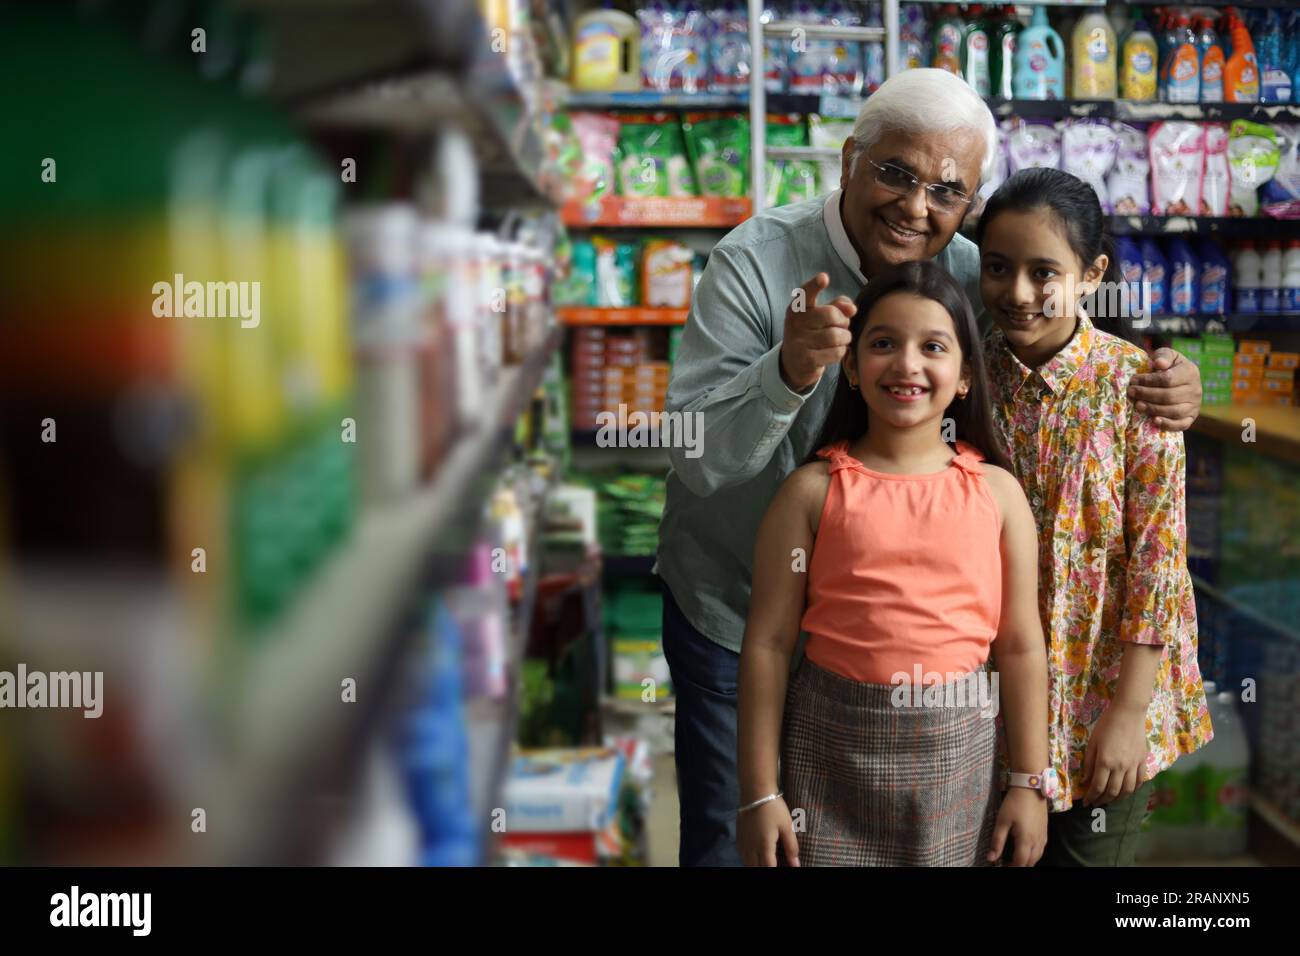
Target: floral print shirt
1107 491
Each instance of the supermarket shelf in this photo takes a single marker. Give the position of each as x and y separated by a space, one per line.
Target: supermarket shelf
628 565
1271 814
1261 322
324 48
779 29
1255 227
1134 112
805 153
492 725
448 75
1284 630
651 100
829 105
286 720
1277 427
665 212
584 315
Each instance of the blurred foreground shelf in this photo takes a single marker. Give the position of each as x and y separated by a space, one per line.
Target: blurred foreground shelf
1277 427
287 720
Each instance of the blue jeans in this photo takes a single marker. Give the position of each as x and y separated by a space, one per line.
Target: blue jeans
704 683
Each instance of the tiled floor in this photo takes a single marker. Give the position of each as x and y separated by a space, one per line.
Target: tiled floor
662 824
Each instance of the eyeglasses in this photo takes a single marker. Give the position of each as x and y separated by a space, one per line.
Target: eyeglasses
938 197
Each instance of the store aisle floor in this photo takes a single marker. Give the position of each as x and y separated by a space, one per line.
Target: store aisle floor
661 827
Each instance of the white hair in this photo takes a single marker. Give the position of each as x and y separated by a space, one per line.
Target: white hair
922 101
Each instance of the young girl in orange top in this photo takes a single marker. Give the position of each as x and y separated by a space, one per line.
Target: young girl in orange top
907 560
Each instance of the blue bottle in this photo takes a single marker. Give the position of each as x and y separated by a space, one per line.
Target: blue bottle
1129 256
1155 274
1274 80
1216 279
1184 277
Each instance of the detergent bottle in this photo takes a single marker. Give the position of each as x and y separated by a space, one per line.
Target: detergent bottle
1274 80
1183 69
1241 70
1040 61
1002 40
1155 274
1212 60
975 52
947 39
1138 78
1096 58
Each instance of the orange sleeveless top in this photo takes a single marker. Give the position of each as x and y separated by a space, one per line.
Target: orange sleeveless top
906 570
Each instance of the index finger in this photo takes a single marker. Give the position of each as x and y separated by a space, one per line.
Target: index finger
813 288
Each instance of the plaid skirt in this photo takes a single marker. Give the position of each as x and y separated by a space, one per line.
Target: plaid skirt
881 785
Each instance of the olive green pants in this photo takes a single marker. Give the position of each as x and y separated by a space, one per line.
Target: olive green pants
1083 836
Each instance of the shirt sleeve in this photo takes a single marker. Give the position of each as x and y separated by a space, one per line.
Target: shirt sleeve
1155 533
728 372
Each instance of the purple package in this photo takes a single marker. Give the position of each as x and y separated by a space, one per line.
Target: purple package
1033 143
1088 150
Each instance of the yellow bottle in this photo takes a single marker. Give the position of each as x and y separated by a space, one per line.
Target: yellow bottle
1096 59
606 51
1138 77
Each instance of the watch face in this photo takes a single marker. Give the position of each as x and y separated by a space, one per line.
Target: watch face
1051 783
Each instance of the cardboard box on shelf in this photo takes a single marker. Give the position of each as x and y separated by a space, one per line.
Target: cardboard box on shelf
1249 360
1284 360
1253 347
563 790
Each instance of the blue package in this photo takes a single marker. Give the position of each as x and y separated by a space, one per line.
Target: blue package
1216 279
1184 277
1155 274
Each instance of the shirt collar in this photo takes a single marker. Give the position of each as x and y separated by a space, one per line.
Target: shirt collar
839 237
1059 369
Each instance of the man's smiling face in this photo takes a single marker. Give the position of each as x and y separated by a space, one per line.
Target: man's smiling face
888 229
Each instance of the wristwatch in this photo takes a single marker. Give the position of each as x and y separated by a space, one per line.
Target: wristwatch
1048 783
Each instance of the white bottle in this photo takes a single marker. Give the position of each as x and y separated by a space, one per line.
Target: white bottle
1291 277
1270 292
1247 277
1227 775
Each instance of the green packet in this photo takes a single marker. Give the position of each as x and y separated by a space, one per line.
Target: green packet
718 145
788 180
651 157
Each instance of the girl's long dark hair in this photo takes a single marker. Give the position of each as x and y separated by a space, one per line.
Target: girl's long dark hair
973 415
1076 208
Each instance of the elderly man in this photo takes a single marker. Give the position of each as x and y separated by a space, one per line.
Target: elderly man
758 360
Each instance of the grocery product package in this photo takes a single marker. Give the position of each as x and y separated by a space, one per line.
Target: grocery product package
1128 184
808 58
597 136
718 145
843 67
729 60
826 133
787 180
666 274
1033 143
1088 150
1253 158
1177 158
1214 178
652 157
674 48
1281 195
776 62
615 272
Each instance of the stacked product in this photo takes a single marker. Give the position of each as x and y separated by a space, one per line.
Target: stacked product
563 804
1261 376
633 626
1213 355
611 369
630 507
